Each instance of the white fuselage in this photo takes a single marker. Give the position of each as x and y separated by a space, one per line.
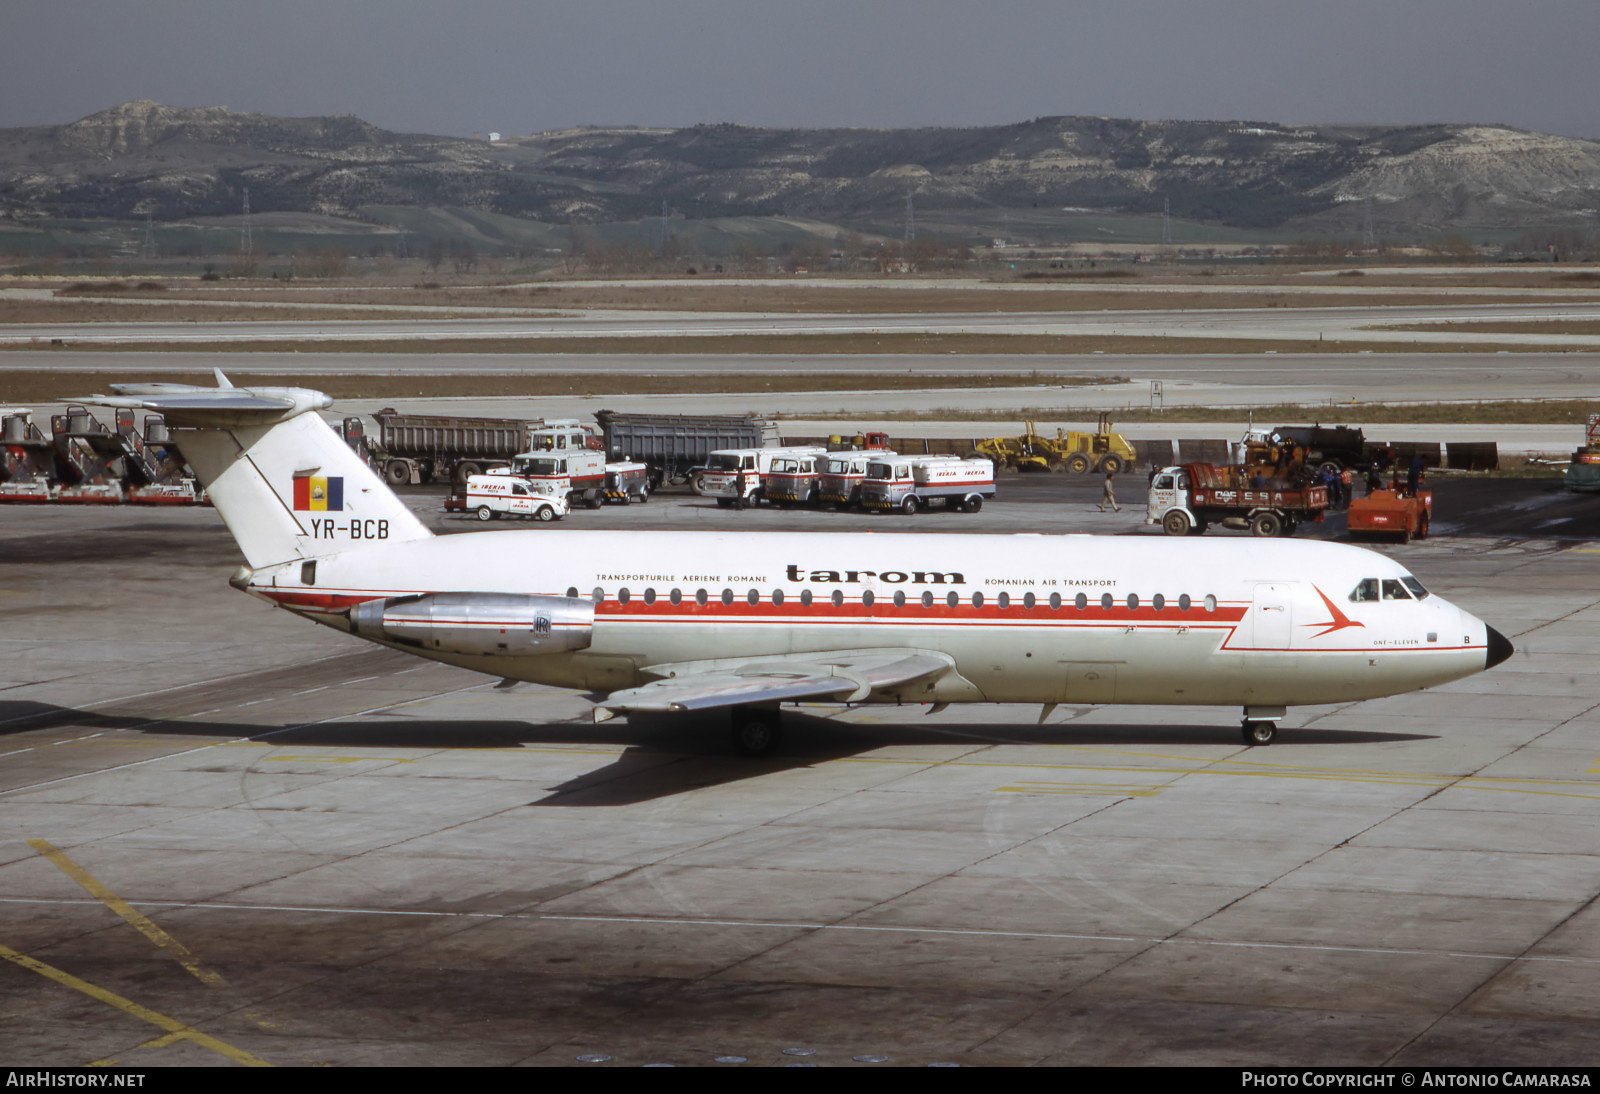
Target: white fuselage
1027 618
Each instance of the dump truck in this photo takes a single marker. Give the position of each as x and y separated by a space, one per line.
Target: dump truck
1188 498
673 446
422 447
1317 447
910 483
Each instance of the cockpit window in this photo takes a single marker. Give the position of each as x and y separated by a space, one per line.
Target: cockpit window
1416 588
1366 589
1393 590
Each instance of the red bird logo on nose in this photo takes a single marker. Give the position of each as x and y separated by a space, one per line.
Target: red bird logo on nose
1339 621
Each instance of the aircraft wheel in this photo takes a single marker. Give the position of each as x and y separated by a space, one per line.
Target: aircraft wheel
485 513
544 513
1176 523
1260 733
756 732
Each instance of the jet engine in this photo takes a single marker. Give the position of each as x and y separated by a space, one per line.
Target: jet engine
486 623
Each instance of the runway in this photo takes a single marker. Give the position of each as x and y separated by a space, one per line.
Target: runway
1346 324
234 837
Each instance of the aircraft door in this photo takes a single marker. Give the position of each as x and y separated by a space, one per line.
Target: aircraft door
1272 616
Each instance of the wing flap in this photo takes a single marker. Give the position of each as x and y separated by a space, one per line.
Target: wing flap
842 676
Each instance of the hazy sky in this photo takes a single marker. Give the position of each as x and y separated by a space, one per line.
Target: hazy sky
460 66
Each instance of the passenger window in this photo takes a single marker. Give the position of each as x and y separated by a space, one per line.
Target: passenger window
753 597
777 596
599 595
1158 602
1055 602
1184 602
727 596
676 596
899 599
1366 589
622 596
867 598
1393 590
1004 600
1133 602
927 600
805 597
1106 602
700 596
1211 602
953 599
977 600
650 596
838 599
573 593
1081 602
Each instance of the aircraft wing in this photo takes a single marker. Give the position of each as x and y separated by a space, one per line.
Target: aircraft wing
842 676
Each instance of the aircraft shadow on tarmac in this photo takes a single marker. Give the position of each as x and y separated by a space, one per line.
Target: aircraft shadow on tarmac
667 755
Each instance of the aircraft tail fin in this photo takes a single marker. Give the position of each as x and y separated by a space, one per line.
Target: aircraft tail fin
282 480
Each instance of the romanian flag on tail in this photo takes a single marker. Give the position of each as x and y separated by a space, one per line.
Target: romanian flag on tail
318 494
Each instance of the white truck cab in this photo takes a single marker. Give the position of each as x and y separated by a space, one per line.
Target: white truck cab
734 475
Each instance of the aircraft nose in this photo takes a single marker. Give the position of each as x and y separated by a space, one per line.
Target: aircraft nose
1500 648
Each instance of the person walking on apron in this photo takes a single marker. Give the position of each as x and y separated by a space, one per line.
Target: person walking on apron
1108 496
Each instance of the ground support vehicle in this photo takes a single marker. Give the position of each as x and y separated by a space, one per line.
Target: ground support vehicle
1583 473
735 477
27 458
85 462
627 483
672 446
791 480
490 497
839 475
1070 450
1318 447
1392 512
565 447
1102 451
910 483
1189 498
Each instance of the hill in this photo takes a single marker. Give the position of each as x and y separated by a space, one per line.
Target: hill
188 164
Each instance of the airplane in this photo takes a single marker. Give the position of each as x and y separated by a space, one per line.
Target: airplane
650 621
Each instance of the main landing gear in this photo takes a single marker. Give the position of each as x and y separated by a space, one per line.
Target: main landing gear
756 731
1260 725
